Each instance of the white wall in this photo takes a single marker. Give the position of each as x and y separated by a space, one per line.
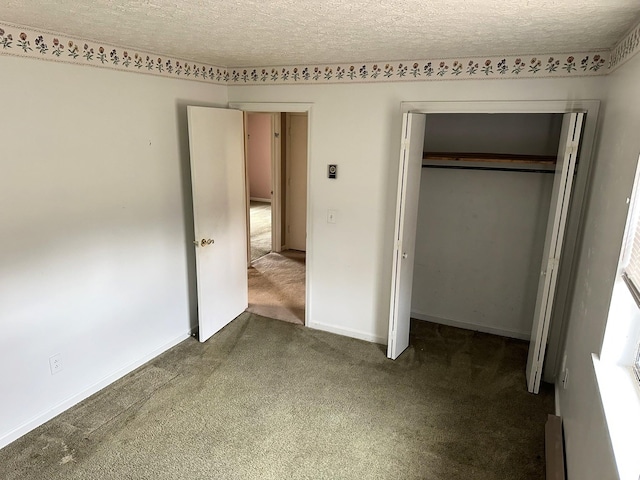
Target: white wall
480 234
358 127
589 453
525 134
95 225
479 247
259 155
96 262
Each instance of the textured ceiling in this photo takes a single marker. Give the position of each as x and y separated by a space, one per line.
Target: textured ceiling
257 33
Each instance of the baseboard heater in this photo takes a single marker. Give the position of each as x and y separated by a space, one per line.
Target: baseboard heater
554 448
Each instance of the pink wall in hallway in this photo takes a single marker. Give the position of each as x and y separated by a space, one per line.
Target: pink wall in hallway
259 154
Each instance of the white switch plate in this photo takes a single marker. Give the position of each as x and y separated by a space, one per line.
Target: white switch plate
332 216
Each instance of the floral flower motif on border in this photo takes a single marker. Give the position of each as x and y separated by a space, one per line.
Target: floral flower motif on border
625 49
18 41
23 42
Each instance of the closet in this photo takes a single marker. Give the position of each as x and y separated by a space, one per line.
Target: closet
485 191
482 210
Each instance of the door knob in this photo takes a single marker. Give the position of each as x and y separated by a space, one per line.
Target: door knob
206 241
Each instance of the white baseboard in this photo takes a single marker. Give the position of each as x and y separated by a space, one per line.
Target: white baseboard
472 326
77 398
258 199
347 332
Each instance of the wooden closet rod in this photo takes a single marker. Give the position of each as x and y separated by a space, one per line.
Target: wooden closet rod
497 169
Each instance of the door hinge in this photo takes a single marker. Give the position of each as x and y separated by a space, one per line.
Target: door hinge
552 265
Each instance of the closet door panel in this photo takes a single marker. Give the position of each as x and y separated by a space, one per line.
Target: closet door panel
406 220
561 194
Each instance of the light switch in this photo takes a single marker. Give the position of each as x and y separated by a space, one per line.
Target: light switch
332 216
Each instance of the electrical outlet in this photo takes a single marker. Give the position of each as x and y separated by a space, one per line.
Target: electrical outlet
55 364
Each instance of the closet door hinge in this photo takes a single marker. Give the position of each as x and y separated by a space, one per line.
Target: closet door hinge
552 265
572 148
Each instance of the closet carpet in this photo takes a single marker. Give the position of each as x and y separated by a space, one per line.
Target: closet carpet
265 400
277 286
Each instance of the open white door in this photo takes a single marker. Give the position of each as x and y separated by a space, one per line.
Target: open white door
405 232
219 209
560 196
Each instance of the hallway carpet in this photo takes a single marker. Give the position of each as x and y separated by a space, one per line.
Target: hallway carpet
266 400
277 286
259 229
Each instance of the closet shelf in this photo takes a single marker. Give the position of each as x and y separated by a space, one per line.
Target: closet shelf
493 158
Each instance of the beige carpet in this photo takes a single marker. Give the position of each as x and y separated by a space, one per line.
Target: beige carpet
260 227
277 286
268 400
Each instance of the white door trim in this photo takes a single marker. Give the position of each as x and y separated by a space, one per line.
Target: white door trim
275 107
276 185
247 186
574 227
288 220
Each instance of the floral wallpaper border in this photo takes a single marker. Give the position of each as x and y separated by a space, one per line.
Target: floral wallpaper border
22 42
531 66
626 48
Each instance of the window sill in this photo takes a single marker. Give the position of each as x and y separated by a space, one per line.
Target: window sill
621 401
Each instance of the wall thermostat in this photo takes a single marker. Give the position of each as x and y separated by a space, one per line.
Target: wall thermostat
333 171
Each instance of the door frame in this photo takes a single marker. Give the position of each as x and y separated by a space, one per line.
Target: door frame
575 222
276 183
287 136
293 107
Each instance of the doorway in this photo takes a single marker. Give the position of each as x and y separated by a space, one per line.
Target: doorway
410 167
259 150
276 146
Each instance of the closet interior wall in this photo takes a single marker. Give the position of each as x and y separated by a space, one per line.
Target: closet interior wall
481 233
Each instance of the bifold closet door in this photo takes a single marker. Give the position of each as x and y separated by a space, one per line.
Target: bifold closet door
556 223
406 219
216 146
